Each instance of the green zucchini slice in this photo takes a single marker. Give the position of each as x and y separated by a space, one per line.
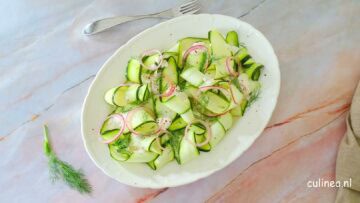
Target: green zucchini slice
168 54
200 139
254 71
196 60
170 71
110 128
142 157
219 47
217 132
232 38
179 103
118 153
226 121
152 60
193 76
133 71
188 149
214 102
164 158
131 94
119 149
143 93
177 124
162 111
116 96
185 44
221 69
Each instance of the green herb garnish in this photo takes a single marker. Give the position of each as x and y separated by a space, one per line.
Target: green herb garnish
253 97
236 82
61 170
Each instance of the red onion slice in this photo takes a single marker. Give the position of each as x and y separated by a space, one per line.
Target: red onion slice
230 69
212 87
170 91
232 94
123 124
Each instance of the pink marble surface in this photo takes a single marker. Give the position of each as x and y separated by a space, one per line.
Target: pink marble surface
46 67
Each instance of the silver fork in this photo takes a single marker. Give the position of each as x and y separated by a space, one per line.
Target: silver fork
189 7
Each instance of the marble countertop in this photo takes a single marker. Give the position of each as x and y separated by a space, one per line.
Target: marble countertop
46 67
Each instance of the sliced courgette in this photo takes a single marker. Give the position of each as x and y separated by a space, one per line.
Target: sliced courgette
162 111
155 146
188 149
118 149
217 132
142 157
131 94
197 60
170 71
164 158
236 95
232 38
221 69
177 124
242 55
226 121
188 116
179 103
116 96
150 61
133 71
175 141
200 139
219 47
193 76
110 127
248 63
254 71
185 44
147 128
169 76
164 139
248 85
142 121
118 153
213 102
168 54
143 93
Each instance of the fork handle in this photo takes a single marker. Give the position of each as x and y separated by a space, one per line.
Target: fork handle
104 24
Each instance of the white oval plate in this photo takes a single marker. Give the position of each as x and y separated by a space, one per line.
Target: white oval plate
163 36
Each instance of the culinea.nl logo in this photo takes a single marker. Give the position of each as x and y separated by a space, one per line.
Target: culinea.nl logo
328 183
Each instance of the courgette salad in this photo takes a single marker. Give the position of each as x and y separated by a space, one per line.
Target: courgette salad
180 102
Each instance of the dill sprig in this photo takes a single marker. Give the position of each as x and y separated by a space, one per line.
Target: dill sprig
61 170
253 97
